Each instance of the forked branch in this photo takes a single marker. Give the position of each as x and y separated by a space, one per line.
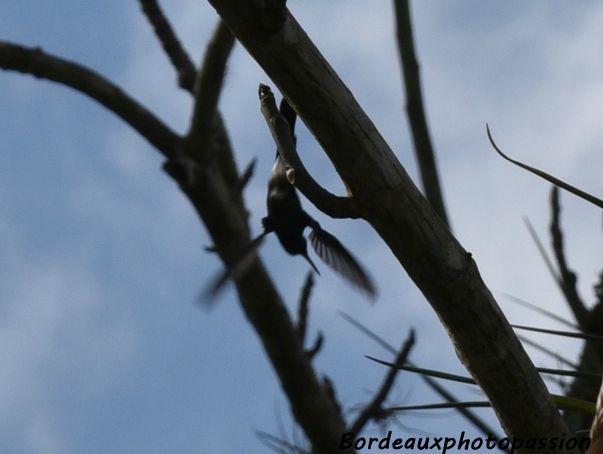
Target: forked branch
330 204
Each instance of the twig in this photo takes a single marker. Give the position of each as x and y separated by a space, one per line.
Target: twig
415 110
556 181
567 278
208 83
316 347
243 180
374 409
36 62
330 204
171 44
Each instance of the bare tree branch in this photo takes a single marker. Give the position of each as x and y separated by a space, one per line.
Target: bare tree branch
207 138
415 110
330 204
208 84
263 306
244 178
211 75
374 409
446 273
316 347
36 62
211 196
171 44
567 278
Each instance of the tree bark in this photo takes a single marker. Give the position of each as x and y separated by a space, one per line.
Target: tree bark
445 273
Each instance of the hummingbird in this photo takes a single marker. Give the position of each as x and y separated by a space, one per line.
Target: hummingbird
288 220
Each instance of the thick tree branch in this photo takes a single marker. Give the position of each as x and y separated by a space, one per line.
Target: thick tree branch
45 66
171 44
416 111
211 194
226 223
330 204
387 198
374 409
567 279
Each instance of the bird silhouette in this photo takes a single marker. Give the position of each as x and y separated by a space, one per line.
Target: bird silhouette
288 220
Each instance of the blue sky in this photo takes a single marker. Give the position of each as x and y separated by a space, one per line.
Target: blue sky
101 257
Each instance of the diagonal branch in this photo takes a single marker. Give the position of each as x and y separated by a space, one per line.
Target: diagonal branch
227 226
330 204
444 271
187 75
208 84
36 62
171 44
374 409
567 279
415 110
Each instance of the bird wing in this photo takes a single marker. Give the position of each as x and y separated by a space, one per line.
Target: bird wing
216 285
334 254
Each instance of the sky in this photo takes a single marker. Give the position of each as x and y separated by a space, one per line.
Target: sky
102 346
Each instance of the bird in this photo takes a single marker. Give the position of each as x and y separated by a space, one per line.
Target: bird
287 219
